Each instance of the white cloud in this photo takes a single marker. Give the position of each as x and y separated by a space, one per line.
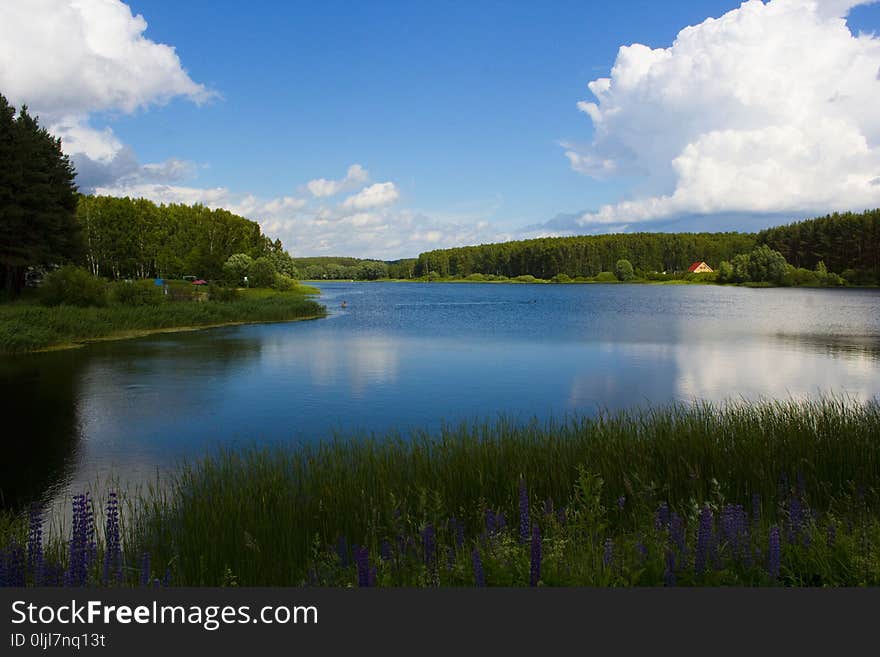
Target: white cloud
321 187
68 59
374 196
769 109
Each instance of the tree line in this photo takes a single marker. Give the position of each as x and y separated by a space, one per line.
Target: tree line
135 238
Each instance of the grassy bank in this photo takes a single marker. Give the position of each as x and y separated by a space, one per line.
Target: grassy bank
694 494
27 326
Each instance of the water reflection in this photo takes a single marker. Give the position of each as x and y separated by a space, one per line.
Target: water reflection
403 357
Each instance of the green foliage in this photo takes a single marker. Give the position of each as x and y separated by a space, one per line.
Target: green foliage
283 283
561 278
526 278
623 270
605 277
73 286
236 267
283 499
136 293
27 327
725 272
261 273
37 199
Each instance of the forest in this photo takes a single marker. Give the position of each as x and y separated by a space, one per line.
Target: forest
135 238
848 245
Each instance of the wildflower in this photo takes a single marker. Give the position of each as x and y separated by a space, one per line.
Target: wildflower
621 502
704 540
642 549
362 561
479 575
82 544
145 569
676 533
429 546
774 553
523 511
561 516
661 519
535 570
608 555
548 507
35 561
385 551
756 509
491 526
795 518
342 551
669 572
113 547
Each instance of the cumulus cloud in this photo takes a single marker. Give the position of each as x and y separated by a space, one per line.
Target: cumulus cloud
770 108
68 59
374 196
308 227
321 187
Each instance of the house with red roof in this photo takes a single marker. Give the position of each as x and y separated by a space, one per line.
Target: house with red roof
700 268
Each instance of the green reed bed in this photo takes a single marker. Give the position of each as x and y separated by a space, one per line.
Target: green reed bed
30 327
741 493
264 514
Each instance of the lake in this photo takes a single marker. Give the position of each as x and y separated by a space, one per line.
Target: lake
405 356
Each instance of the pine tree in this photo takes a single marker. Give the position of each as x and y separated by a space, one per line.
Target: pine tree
37 199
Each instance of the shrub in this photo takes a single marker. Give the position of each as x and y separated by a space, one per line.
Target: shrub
237 267
261 273
283 283
136 293
433 276
725 272
479 278
605 277
561 278
623 270
73 286
221 293
526 278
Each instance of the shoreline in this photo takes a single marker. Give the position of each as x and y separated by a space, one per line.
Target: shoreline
142 333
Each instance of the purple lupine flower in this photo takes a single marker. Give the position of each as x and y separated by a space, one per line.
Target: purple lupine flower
35 560
774 553
676 533
535 569
500 522
608 554
342 551
704 540
801 484
548 507
642 549
113 547
82 541
662 519
669 571
450 558
756 509
166 580
479 575
491 525
523 511
459 533
146 577
795 518
362 561
14 568
429 546
385 550
621 502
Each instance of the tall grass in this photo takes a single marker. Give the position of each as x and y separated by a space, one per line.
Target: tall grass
29 327
264 513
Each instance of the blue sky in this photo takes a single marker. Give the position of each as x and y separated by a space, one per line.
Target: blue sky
467 110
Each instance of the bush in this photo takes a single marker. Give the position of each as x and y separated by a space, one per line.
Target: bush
283 283
261 273
478 278
605 277
433 276
73 286
725 272
561 278
623 270
220 293
526 278
236 268
136 293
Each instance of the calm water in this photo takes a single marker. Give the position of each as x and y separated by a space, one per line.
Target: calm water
404 356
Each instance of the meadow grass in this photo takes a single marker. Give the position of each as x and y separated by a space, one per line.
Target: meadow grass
27 326
631 488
